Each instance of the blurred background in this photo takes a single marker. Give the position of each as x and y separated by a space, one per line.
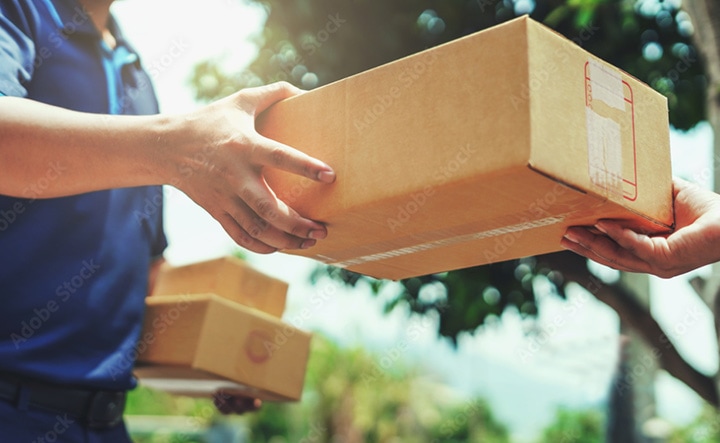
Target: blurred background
513 352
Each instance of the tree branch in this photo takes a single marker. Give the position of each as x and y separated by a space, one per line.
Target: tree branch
705 16
574 269
708 289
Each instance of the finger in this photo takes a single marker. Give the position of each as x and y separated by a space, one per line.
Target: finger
260 229
679 185
602 249
228 403
638 245
590 254
241 237
262 97
242 405
271 153
263 202
222 402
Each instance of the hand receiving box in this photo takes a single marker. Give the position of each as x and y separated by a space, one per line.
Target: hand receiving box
479 150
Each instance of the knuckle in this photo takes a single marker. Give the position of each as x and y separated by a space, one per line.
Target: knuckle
299 231
280 85
279 156
266 209
309 171
254 231
256 228
245 143
262 224
245 100
244 239
245 192
240 236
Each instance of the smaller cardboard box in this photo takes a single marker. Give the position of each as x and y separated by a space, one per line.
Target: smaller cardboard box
197 344
228 277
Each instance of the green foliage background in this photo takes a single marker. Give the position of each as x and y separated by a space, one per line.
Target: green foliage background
348 394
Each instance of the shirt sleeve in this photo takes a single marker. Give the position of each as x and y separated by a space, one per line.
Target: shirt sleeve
17 48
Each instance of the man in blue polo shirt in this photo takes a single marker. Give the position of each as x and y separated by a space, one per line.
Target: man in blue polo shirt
82 154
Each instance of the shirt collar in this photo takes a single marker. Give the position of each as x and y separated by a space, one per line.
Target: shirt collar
70 18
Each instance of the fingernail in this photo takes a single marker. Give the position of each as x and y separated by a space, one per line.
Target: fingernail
571 236
326 176
307 244
599 226
318 234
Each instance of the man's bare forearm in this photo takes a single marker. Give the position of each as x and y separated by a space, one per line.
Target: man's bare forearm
213 154
46 151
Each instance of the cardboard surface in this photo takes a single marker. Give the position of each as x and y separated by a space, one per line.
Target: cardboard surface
480 150
195 344
228 277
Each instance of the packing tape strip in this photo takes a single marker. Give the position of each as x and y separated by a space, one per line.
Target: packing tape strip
604 145
604 138
450 241
606 85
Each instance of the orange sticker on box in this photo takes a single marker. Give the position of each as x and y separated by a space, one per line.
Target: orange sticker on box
256 346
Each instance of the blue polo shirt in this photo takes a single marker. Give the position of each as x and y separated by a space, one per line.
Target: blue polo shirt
73 270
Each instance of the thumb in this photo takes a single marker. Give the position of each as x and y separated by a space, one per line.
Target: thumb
262 97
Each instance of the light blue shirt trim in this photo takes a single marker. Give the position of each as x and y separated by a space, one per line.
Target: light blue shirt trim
113 62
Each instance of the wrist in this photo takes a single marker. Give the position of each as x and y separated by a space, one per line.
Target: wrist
167 153
187 145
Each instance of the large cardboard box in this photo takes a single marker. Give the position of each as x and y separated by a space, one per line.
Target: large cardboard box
480 150
196 344
229 277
